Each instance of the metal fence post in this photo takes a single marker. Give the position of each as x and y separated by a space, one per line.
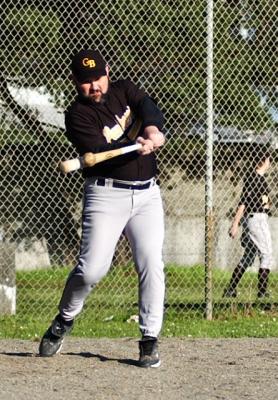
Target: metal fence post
209 166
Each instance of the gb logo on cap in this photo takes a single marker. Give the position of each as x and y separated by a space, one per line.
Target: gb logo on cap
88 63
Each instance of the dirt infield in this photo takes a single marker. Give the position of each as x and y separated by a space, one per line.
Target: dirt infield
98 369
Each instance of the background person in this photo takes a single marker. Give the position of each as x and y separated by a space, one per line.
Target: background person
253 210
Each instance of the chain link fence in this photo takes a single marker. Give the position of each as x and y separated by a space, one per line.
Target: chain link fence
162 46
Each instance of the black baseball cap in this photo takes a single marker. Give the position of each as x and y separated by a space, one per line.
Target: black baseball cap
88 64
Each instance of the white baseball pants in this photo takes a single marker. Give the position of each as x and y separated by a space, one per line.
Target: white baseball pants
107 212
257 239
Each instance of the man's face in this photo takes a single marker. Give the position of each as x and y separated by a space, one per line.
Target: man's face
94 89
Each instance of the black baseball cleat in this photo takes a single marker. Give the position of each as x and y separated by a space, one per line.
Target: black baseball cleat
149 356
53 338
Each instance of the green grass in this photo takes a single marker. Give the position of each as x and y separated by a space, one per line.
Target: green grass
110 305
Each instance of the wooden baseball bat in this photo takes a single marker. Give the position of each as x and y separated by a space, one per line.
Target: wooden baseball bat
90 159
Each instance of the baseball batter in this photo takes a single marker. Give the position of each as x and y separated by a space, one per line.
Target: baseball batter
121 195
253 210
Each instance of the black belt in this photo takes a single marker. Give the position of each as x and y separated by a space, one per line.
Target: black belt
121 185
250 215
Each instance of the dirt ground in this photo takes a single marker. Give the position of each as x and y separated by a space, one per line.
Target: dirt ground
201 369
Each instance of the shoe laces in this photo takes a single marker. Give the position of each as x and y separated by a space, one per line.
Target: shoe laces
58 329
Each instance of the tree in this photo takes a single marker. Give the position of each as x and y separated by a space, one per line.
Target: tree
161 45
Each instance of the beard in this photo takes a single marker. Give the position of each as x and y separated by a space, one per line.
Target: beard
101 100
90 97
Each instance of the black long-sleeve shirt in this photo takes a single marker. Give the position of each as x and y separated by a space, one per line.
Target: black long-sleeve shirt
117 122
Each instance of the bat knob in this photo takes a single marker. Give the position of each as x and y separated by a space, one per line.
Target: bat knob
69 165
